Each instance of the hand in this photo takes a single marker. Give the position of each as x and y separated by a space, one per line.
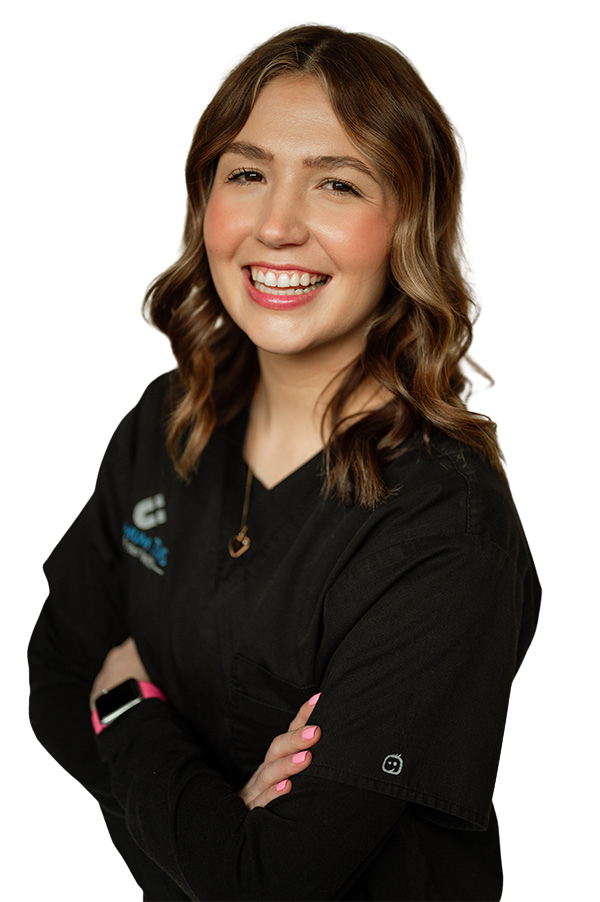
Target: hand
271 778
121 663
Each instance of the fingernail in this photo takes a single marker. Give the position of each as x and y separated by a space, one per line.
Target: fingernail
309 733
314 699
299 757
281 786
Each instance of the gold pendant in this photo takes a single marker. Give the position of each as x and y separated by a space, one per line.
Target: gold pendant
239 544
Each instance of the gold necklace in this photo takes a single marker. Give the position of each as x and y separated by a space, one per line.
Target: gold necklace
240 543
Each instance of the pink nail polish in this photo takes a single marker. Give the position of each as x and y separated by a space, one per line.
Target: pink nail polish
309 733
281 786
314 699
299 757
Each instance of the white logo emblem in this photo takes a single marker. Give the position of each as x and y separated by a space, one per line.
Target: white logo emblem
392 764
150 512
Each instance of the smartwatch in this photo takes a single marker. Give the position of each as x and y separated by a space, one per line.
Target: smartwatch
114 702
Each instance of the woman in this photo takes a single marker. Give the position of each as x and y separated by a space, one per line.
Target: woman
300 592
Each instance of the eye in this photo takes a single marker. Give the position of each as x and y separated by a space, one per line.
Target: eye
245 176
338 186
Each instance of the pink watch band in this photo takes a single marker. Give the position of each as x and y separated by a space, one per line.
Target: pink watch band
147 690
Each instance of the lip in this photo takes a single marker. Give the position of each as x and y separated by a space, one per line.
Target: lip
276 302
260 264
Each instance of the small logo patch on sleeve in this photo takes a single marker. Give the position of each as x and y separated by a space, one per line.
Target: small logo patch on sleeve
392 765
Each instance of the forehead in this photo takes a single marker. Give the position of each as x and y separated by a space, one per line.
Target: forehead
294 89
295 111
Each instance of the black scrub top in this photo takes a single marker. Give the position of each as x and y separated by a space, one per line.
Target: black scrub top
411 620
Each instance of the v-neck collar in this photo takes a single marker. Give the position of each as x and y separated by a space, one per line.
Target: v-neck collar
312 465
274 514
236 431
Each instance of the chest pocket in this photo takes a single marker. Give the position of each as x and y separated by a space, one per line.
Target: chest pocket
262 706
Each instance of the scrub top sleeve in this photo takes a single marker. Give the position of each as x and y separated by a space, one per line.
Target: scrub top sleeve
312 843
414 698
80 622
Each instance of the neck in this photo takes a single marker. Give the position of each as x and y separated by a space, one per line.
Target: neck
286 426
293 393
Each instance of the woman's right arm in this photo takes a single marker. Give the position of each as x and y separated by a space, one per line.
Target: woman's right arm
314 843
82 619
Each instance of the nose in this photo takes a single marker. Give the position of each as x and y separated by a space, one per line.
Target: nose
281 219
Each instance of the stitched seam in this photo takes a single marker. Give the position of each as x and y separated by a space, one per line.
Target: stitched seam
324 770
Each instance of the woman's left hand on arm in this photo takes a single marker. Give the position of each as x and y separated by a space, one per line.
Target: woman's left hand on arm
287 755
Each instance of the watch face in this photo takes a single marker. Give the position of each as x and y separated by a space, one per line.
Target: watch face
114 702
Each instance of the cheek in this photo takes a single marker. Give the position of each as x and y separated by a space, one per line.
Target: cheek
220 238
363 246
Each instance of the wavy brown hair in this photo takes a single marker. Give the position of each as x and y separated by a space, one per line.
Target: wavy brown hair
422 328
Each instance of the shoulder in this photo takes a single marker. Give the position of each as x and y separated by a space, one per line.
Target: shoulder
157 399
449 490
140 436
447 543
152 410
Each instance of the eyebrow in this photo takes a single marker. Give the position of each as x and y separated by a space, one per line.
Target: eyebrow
253 152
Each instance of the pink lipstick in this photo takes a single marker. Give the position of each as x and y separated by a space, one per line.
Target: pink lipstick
300 286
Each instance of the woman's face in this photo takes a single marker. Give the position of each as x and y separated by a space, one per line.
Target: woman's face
298 226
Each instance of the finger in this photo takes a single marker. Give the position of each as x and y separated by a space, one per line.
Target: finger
273 779
272 774
305 711
274 771
273 792
288 754
279 761
295 741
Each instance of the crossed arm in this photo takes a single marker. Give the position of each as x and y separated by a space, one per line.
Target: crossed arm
288 754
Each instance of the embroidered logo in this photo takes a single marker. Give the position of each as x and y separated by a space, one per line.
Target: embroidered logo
392 764
150 512
149 550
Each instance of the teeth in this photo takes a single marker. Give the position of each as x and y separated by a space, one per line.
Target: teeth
289 279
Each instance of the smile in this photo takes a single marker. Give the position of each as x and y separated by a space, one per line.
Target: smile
283 289
288 283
